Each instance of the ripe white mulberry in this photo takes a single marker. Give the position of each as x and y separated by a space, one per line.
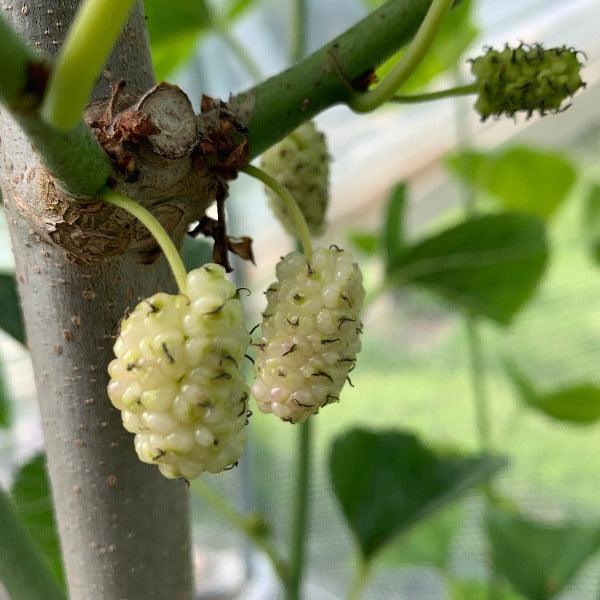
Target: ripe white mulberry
300 162
310 333
525 78
176 378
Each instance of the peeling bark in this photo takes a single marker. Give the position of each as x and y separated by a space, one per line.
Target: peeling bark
124 528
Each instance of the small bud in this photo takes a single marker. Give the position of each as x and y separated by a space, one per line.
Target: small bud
525 78
300 162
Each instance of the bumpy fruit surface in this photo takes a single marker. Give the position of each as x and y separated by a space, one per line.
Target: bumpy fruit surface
300 162
525 78
310 333
176 378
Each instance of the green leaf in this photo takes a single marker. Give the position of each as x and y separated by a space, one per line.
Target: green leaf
10 308
591 221
4 402
31 493
428 543
455 36
539 559
579 403
523 179
490 264
386 482
392 231
174 27
196 252
479 590
365 242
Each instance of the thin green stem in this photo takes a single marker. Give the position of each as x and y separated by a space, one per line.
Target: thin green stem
480 399
301 509
414 54
23 571
95 29
249 525
359 581
155 228
302 232
298 30
461 90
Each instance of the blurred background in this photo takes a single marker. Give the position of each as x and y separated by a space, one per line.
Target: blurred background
416 370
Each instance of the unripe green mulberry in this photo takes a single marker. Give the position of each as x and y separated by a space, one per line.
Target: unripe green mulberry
300 162
310 333
525 78
176 378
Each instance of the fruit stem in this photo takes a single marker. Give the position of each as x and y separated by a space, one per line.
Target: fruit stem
95 29
300 510
419 46
461 90
300 226
246 524
155 228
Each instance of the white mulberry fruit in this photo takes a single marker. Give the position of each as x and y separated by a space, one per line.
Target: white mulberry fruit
300 162
176 378
525 78
310 333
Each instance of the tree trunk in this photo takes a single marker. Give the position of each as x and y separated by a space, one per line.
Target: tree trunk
124 528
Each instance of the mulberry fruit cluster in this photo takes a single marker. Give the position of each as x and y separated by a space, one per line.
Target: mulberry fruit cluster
525 78
300 162
176 378
310 333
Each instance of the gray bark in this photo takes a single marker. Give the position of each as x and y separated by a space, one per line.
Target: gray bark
124 528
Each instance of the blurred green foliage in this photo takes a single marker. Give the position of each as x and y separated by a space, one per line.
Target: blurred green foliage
10 314
174 27
578 403
5 409
31 494
539 559
388 481
490 264
427 543
519 178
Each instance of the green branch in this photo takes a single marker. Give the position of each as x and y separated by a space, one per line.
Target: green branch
18 89
23 571
280 104
97 25
74 158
